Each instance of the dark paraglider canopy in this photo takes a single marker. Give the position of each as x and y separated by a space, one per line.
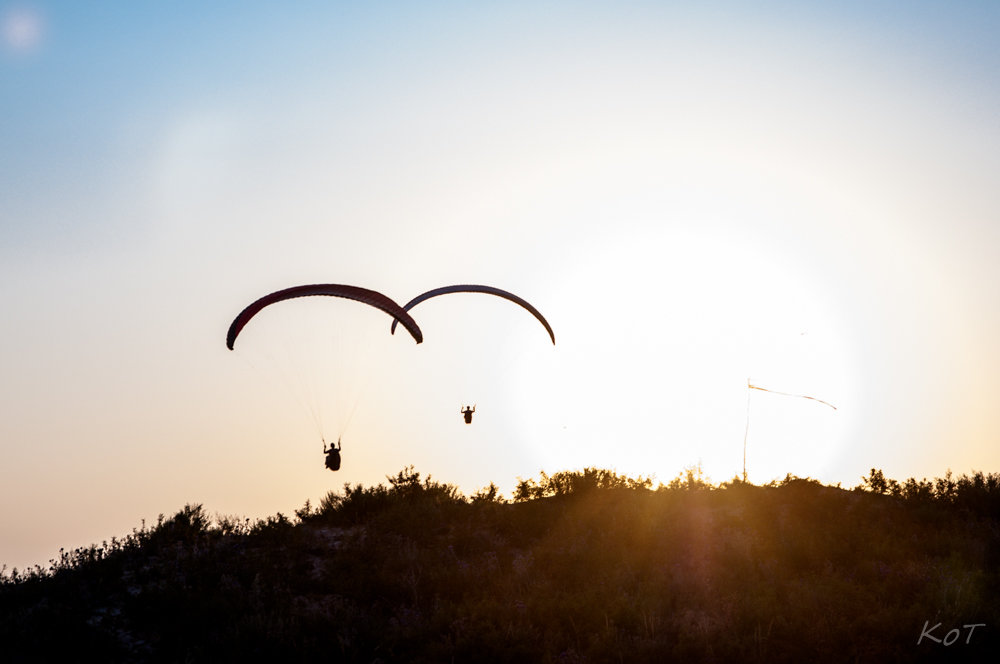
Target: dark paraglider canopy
369 297
478 288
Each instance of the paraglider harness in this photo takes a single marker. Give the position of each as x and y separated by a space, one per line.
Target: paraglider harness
468 411
332 455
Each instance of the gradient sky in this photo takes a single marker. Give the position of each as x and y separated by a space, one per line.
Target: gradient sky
694 194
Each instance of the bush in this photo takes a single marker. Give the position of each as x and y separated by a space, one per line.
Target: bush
582 566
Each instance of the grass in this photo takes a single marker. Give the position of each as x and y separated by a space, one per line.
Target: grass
578 566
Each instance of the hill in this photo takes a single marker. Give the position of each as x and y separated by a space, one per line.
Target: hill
585 566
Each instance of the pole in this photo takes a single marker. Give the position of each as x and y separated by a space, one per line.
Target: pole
745 432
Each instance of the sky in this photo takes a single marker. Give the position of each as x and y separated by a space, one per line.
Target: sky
801 195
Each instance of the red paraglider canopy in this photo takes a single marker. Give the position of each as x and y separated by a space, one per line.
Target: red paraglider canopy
369 297
478 288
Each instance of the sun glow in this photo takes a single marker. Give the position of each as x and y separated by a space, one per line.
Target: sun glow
652 377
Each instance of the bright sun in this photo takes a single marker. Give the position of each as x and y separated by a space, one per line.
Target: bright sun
658 338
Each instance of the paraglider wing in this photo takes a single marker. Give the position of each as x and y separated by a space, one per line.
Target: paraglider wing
474 288
369 297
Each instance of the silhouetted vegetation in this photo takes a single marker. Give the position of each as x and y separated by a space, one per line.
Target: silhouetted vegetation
579 566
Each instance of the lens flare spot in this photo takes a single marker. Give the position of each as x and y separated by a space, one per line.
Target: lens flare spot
21 30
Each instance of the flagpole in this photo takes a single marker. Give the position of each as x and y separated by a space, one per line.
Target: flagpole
745 432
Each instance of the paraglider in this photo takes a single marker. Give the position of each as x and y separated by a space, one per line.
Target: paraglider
369 297
477 288
467 412
332 455
363 295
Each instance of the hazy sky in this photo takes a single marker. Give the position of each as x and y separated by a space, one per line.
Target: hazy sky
694 194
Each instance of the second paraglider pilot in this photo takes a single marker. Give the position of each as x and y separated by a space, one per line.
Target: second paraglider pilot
468 411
